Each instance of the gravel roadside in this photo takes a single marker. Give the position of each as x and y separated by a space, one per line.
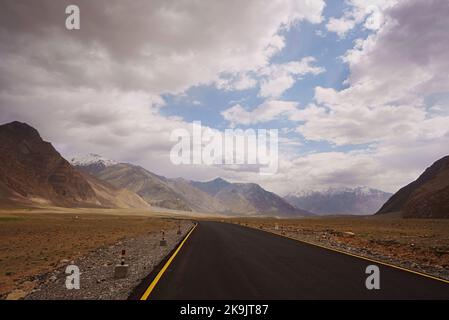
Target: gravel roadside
97 281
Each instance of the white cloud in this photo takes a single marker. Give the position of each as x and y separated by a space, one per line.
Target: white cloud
341 118
277 78
158 46
267 111
340 26
98 88
274 79
391 74
241 81
368 12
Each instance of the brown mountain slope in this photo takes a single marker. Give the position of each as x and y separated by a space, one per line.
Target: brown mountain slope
157 190
217 196
151 187
426 197
249 199
197 199
32 172
113 197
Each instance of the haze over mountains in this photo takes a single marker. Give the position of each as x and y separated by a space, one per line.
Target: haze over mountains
426 197
357 201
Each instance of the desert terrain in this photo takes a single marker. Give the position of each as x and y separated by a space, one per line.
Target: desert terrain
36 242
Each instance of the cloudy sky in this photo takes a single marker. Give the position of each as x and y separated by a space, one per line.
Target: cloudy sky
359 90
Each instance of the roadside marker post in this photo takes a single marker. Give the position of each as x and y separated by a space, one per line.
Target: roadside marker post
165 267
121 270
163 242
179 229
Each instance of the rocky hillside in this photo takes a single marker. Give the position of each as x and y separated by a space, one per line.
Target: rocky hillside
249 199
34 173
216 196
151 187
156 190
211 187
426 197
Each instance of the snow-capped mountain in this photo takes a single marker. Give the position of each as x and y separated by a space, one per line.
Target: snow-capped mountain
357 201
92 162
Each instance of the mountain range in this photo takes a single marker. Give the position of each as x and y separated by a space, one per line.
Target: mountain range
334 201
216 196
248 198
33 173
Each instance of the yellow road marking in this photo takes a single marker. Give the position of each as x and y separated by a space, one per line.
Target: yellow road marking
164 268
364 258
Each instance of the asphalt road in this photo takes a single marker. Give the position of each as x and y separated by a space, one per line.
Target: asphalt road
225 261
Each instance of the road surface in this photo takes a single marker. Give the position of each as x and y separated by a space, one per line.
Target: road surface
226 261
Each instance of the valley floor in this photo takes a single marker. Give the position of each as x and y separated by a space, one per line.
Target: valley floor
417 244
37 245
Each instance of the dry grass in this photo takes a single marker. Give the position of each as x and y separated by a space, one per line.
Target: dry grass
34 242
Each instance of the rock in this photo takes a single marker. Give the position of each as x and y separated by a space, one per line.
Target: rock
16 295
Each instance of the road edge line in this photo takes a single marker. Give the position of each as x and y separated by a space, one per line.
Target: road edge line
360 257
156 279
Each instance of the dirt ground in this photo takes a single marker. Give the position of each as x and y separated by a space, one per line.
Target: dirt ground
417 244
38 242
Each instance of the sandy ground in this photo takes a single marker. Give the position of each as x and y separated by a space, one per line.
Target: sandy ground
417 244
36 245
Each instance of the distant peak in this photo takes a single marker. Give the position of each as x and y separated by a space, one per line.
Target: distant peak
92 158
95 155
361 190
